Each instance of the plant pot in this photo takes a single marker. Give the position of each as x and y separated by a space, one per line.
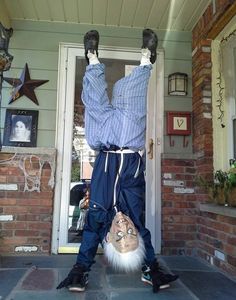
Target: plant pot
220 196
211 195
232 197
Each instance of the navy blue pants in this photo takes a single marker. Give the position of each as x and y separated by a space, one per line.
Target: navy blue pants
130 199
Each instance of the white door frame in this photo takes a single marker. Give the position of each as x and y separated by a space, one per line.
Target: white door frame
64 132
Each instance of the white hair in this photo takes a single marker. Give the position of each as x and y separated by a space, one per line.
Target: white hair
129 261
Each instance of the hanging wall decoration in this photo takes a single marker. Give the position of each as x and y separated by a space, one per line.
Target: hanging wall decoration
32 167
20 128
24 86
178 123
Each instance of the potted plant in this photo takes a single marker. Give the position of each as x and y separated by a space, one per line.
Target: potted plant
222 188
232 180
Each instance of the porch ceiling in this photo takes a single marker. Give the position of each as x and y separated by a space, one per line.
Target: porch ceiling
180 15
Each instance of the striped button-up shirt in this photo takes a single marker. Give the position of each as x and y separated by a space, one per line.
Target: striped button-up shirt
122 121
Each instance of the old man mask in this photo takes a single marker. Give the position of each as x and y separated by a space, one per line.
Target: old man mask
123 246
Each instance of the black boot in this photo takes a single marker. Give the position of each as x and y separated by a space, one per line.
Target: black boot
150 41
159 278
76 280
91 41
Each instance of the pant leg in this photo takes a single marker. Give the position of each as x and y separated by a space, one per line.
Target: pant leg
98 110
131 193
94 93
100 208
130 92
92 236
130 101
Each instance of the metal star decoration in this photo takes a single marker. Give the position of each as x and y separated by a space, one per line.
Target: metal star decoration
24 86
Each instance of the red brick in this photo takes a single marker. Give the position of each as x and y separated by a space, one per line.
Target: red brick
26 233
15 179
232 240
231 260
6 233
190 228
3 179
15 225
14 171
39 225
15 240
167 162
27 217
166 189
226 219
170 169
168 235
229 249
46 202
6 248
46 173
46 233
7 201
167 204
185 236
17 194
174 227
15 209
42 195
189 163
184 204
190 170
174 243
29 202
35 241
40 210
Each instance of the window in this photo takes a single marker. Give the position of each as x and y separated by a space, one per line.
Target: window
224 98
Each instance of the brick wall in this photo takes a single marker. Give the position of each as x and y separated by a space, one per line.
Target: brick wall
26 216
215 232
217 240
179 210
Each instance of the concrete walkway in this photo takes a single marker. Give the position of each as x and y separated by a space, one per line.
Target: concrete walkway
36 278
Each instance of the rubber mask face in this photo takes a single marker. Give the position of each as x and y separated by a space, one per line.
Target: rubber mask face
123 235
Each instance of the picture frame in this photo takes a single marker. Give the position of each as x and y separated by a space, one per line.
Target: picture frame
178 123
21 128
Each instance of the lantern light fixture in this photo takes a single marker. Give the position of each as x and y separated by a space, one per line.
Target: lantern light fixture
178 84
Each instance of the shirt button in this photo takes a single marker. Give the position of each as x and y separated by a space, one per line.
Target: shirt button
94 205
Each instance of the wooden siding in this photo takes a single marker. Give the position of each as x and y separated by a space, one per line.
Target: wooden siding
37 43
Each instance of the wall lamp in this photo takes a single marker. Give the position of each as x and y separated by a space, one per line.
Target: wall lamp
178 84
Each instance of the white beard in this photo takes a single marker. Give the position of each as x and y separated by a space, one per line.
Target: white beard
129 261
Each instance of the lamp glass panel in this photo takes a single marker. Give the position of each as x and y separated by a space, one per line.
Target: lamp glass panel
172 85
180 83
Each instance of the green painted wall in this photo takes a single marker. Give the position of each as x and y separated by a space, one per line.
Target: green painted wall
37 43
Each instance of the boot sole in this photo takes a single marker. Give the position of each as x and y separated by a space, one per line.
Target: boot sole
91 41
76 289
162 287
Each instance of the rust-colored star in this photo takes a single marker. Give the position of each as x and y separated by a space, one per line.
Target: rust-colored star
24 86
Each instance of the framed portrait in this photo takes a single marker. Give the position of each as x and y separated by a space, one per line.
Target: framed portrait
20 128
178 123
